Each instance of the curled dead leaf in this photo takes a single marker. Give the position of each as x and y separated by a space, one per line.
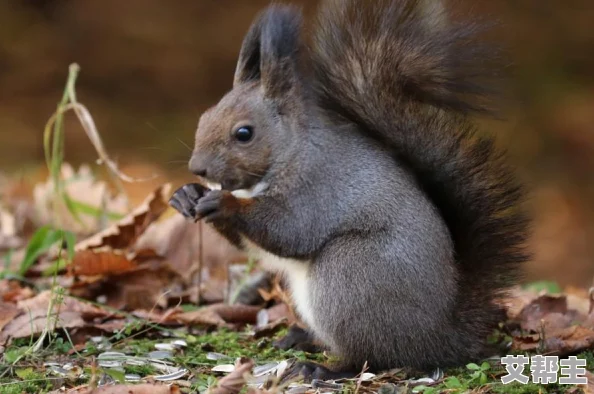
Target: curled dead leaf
126 231
100 262
221 315
235 381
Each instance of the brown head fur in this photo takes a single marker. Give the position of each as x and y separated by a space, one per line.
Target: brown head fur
266 82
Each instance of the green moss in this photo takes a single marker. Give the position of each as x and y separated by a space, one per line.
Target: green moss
140 370
518 388
589 356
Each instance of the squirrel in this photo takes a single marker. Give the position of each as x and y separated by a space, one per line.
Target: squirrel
347 160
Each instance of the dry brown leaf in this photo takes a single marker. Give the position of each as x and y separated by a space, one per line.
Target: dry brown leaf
557 342
112 251
144 288
235 381
533 313
42 300
27 325
278 312
126 231
82 187
7 313
100 262
178 241
128 389
589 388
34 316
221 315
12 291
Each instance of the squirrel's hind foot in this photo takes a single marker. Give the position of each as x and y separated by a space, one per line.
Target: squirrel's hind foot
310 371
299 339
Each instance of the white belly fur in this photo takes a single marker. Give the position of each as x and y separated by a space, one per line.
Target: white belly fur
294 271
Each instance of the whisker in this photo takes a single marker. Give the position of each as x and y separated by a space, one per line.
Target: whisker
184 144
252 173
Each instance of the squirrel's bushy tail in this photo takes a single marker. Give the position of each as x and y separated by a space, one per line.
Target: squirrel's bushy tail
410 78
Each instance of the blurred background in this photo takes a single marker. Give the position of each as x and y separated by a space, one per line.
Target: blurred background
150 67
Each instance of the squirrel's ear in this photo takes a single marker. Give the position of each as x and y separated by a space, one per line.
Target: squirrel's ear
280 44
269 53
248 65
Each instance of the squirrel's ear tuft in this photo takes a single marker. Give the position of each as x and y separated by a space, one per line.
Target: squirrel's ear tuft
269 53
248 64
281 32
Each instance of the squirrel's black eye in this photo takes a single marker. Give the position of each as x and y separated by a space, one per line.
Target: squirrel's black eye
244 134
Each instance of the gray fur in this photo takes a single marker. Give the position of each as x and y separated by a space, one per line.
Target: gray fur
399 213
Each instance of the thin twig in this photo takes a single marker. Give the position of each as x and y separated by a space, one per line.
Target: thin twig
200 264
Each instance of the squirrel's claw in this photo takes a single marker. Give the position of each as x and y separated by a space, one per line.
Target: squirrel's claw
299 339
216 204
185 199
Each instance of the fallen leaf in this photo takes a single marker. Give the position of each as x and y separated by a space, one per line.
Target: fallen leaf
557 342
143 288
277 312
42 300
532 314
35 316
7 313
12 291
128 389
589 388
82 188
100 262
235 381
27 325
516 300
126 231
179 242
221 315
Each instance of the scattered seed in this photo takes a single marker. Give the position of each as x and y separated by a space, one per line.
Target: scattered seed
164 346
422 381
265 369
298 390
282 367
111 356
56 370
179 343
172 376
135 361
224 368
109 363
217 356
160 355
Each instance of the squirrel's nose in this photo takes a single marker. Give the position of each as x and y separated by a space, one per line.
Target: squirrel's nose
197 168
199 171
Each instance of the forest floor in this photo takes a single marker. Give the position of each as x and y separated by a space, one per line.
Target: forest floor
102 292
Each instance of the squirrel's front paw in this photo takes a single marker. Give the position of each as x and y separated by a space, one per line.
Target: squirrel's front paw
217 204
185 199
